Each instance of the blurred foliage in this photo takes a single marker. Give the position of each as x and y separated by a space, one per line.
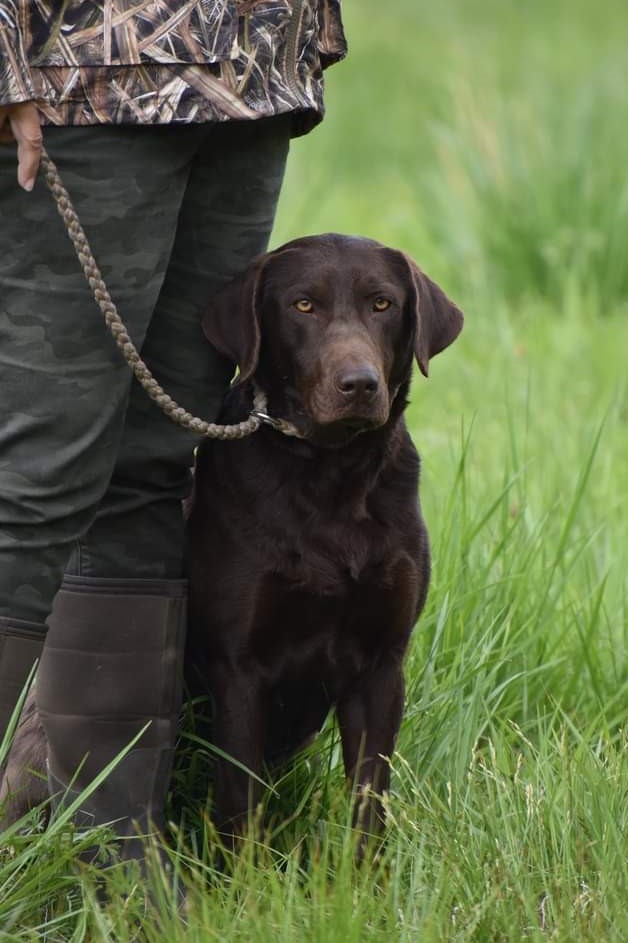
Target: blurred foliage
487 138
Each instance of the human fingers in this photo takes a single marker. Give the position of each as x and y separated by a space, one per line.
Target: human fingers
26 129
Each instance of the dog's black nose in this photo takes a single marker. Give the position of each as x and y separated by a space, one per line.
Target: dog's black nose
357 382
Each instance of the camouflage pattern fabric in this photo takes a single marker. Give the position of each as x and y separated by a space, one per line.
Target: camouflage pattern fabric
161 61
90 469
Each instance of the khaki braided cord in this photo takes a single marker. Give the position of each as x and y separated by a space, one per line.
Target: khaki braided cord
124 342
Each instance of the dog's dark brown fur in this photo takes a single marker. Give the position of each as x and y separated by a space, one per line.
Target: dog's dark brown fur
309 559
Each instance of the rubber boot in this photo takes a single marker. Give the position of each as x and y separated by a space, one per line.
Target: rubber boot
112 664
20 647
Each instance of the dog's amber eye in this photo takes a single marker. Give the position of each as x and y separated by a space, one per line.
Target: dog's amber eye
304 306
381 304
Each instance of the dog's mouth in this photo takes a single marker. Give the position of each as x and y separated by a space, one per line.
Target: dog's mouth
358 424
341 431
323 423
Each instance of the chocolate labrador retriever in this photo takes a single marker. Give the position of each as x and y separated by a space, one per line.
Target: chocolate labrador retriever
309 559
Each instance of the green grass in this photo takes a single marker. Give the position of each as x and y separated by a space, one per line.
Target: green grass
488 140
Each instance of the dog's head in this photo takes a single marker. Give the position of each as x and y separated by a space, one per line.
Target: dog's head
329 325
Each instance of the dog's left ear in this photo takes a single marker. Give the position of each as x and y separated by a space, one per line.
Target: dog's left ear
438 319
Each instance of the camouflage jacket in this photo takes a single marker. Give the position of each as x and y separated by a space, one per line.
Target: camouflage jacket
164 61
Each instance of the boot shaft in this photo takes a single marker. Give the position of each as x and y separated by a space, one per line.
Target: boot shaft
112 666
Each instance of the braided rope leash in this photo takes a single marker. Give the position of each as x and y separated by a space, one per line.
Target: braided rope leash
128 349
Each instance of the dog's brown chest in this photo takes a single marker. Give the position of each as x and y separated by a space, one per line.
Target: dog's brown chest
334 634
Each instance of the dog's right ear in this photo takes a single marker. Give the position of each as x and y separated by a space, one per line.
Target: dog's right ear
231 322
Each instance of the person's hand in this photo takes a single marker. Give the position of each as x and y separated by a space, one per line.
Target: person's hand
20 123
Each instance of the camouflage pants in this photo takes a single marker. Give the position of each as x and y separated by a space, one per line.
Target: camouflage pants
91 472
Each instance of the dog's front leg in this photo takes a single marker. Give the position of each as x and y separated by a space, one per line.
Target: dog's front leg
369 716
238 735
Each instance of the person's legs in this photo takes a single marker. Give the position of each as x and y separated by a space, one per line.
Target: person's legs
128 565
225 221
64 387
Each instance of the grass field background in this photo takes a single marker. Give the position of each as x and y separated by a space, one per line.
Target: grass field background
488 139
